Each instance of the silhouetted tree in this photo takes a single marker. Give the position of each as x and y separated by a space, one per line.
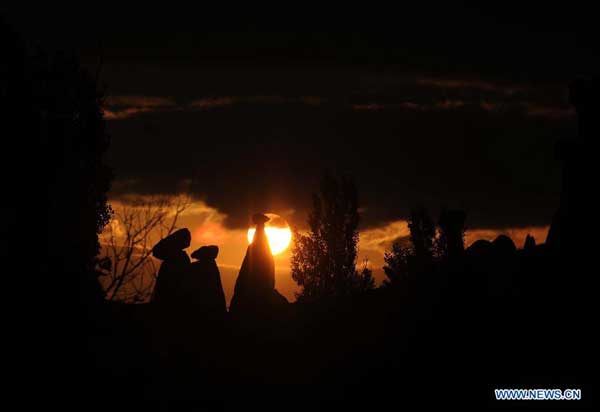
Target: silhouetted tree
422 236
324 260
366 281
397 263
130 273
450 242
55 130
427 246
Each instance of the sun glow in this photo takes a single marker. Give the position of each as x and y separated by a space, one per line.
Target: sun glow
279 236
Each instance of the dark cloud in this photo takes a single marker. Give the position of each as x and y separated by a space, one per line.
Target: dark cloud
451 104
123 107
266 152
350 87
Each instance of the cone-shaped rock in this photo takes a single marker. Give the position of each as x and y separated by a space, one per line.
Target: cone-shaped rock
255 286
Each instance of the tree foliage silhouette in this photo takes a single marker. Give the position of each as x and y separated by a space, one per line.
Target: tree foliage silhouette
73 129
422 235
397 264
403 262
366 279
54 108
324 260
450 241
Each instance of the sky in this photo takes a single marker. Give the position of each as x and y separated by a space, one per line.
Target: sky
454 105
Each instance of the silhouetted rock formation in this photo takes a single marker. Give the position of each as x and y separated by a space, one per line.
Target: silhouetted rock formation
172 244
479 249
478 257
201 287
254 292
174 266
452 223
502 267
504 246
530 244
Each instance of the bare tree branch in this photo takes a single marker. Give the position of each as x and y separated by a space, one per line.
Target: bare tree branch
128 241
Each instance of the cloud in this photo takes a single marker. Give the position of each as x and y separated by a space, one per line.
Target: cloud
523 107
449 85
226 101
140 101
125 107
439 94
380 238
125 113
531 109
369 106
211 102
194 211
259 142
508 89
409 105
432 94
489 106
312 100
534 109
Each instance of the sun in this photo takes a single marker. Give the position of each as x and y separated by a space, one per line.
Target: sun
278 233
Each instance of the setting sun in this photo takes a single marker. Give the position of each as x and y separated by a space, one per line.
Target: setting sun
278 233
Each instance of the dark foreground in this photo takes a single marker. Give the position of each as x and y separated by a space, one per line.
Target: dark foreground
447 338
